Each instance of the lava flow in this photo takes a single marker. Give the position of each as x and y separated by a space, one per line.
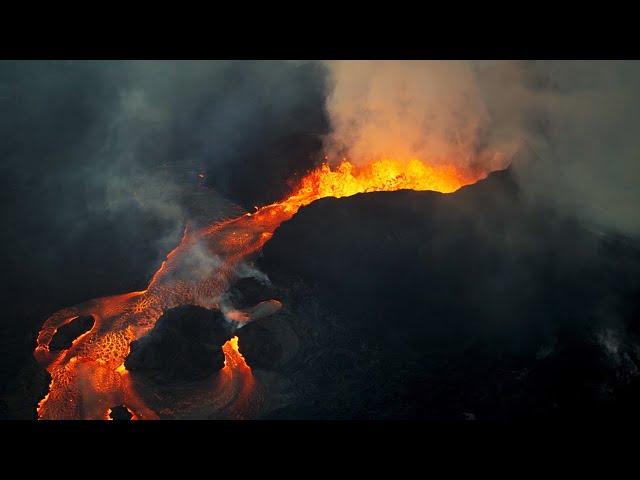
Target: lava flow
89 377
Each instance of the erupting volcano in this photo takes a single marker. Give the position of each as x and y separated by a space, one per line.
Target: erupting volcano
89 378
402 240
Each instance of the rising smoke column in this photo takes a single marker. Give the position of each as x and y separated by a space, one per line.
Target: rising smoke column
569 128
580 119
430 111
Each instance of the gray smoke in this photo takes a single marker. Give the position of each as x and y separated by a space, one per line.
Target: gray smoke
569 128
173 120
581 119
95 150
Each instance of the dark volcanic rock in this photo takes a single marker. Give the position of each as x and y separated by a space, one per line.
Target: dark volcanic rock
32 383
69 332
433 305
120 413
248 292
184 345
268 343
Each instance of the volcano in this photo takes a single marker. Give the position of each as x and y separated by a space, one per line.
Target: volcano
455 242
91 375
472 306
398 304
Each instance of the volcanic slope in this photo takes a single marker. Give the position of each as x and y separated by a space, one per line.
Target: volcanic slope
469 306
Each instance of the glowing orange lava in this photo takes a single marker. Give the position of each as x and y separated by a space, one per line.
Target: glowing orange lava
381 175
233 359
89 378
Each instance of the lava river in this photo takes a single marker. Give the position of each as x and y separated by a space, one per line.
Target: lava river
89 378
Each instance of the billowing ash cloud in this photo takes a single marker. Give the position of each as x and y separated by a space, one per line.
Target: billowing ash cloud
433 111
570 128
581 119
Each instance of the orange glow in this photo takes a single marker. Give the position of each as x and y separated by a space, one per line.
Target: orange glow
44 400
90 376
233 359
381 175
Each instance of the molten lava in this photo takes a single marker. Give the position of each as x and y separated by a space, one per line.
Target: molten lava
89 378
233 359
381 175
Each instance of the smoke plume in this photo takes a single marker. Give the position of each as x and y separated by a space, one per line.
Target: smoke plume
129 151
569 128
432 111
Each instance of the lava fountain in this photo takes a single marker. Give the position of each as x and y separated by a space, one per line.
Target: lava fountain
89 377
